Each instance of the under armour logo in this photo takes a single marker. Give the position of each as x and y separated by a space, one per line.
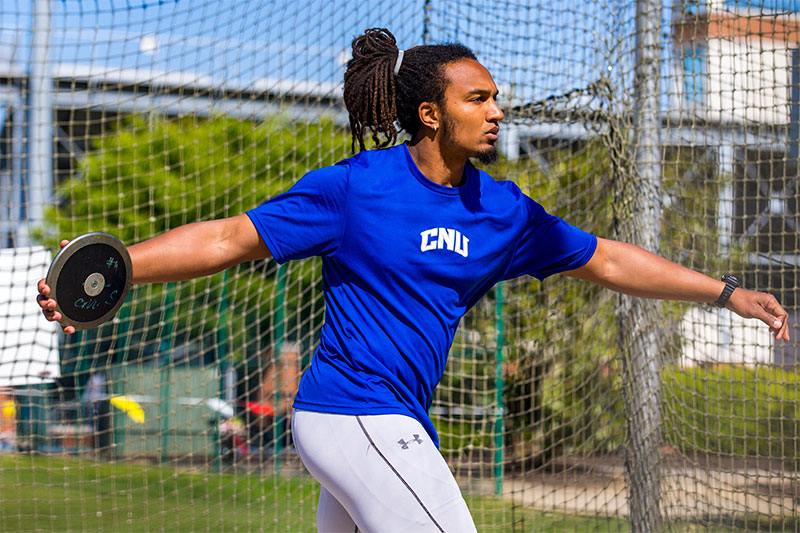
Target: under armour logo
404 444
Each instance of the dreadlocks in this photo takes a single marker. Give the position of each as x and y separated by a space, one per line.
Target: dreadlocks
375 97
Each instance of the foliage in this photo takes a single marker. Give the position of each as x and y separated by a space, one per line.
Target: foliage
565 395
151 175
734 411
690 234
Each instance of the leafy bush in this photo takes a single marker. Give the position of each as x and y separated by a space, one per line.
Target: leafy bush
733 411
151 175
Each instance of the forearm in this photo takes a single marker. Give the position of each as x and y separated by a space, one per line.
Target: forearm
196 250
631 270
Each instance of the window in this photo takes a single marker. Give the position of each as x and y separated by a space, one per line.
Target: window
694 73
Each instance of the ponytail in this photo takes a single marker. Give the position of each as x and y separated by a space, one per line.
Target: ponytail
380 89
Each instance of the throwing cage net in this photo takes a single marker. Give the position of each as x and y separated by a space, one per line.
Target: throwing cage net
671 125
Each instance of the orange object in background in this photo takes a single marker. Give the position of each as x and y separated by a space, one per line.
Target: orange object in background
261 409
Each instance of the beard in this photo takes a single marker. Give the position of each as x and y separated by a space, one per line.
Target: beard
486 157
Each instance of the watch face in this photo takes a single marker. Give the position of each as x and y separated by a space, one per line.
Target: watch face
729 278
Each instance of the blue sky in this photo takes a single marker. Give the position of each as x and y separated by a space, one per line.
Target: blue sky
546 48
771 5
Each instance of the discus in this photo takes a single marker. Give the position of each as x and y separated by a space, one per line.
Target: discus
89 279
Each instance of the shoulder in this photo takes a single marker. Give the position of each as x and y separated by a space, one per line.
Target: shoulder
326 179
339 175
378 156
505 192
372 170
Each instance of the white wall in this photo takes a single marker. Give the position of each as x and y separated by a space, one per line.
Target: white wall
720 336
28 343
748 81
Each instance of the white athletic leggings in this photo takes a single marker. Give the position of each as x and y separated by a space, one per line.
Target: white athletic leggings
379 473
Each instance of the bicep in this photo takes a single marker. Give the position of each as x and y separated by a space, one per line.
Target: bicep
596 268
242 241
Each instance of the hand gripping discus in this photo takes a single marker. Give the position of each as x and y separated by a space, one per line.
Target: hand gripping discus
89 279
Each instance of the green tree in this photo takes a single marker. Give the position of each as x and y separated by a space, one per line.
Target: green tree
147 176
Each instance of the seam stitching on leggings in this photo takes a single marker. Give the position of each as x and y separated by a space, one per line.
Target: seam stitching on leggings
400 477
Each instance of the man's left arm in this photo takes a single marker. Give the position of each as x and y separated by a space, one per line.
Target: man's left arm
631 270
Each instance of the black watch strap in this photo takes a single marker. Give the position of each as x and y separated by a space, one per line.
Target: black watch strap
731 283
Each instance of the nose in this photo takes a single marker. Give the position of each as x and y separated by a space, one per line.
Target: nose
495 114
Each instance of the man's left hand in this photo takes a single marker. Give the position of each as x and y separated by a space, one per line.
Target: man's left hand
763 306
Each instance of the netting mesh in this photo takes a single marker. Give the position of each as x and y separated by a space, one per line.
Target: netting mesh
671 125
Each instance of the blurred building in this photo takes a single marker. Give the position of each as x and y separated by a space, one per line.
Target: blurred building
736 87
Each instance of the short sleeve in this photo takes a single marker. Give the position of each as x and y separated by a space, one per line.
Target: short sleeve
548 245
308 219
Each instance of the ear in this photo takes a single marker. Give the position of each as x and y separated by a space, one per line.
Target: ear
429 115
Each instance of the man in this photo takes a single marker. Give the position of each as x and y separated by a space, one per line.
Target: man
411 237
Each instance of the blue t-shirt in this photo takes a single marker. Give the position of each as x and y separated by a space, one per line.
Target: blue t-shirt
403 259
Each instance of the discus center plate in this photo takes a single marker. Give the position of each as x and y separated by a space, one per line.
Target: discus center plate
89 279
94 284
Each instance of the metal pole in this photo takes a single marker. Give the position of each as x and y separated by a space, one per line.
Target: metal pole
16 207
794 108
725 164
426 21
81 362
499 385
280 332
164 359
639 323
120 378
222 362
40 126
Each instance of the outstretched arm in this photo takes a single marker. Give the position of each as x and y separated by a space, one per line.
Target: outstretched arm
196 250
187 252
631 270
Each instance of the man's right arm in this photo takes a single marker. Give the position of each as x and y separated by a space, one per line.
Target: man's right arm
196 250
191 251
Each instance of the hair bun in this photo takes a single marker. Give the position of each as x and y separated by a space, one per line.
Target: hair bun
374 41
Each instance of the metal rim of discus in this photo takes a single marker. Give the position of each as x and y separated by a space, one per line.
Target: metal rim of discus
89 279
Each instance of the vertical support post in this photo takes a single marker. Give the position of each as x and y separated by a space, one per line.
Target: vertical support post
725 163
499 385
794 108
222 362
279 333
38 414
426 11
40 124
120 374
164 356
16 207
639 318
5 192
509 141
81 373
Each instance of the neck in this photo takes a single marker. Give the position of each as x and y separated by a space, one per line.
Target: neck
435 164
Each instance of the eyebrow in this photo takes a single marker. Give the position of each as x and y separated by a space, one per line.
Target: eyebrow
483 92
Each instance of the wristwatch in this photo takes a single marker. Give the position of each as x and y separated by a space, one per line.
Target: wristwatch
731 283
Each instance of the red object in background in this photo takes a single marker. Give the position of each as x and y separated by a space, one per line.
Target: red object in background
260 409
